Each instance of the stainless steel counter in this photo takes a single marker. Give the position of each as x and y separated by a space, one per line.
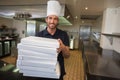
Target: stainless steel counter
101 65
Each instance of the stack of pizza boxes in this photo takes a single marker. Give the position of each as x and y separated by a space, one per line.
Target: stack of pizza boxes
37 57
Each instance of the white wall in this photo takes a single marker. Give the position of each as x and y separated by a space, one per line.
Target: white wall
108 26
117 23
111 24
6 21
21 27
105 42
116 40
109 20
97 25
116 44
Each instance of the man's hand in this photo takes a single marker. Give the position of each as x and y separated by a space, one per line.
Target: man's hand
64 49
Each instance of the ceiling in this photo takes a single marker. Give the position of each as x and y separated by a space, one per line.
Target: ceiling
76 7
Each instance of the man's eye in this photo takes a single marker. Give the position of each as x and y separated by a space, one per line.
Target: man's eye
55 18
50 18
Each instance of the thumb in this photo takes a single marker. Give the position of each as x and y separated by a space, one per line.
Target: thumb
59 40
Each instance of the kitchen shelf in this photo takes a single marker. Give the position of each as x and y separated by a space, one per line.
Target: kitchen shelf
112 35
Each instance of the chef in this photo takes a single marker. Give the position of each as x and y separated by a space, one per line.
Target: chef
51 31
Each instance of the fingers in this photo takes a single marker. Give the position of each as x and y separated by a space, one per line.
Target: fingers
60 41
58 50
62 46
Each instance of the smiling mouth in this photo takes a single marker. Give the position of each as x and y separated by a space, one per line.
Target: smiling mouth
52 24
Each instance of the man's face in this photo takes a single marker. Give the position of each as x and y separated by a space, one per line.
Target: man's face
52 21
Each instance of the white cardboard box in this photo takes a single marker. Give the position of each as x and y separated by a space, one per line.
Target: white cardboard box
37 58
37 54
40 41
51 51
32 63
55 74
39 69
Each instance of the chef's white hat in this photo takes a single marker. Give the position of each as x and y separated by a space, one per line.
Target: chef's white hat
53 8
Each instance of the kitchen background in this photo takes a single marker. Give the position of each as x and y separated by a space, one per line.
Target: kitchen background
99 19
93 27
25 28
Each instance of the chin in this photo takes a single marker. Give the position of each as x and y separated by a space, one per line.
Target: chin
51 26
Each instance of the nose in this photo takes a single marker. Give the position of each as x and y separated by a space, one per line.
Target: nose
52 20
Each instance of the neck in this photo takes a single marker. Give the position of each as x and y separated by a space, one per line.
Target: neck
51 31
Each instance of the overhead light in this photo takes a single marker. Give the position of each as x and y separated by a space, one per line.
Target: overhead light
76 17
68 17
82 21
7 14
22 15
86 8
